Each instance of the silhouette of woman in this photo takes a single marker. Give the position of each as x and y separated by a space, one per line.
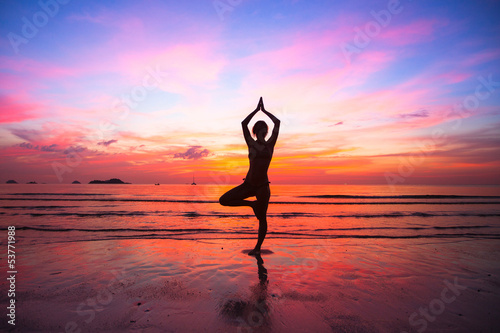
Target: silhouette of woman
256 182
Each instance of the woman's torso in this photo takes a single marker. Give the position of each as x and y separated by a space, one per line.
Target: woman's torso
260 156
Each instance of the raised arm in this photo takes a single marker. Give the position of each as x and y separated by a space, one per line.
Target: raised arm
276 121
246 121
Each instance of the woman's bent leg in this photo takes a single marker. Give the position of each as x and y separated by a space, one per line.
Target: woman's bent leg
236 196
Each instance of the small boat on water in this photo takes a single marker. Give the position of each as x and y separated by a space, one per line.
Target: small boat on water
193 183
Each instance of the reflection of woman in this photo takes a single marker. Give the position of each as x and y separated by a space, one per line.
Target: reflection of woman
253 312
260 153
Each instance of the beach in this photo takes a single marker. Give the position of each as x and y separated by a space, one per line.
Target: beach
88 261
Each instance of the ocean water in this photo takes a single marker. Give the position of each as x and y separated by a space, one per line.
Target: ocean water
45 213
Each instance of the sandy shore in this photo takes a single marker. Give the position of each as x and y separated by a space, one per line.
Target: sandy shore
340 285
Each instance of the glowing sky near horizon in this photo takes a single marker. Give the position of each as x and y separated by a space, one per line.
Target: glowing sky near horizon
155 91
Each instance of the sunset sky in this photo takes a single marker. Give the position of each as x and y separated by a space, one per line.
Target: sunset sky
368 92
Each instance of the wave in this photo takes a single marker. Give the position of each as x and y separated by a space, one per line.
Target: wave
39 207
272 202
98 214
408 228
207 234
211 230
415 214
322 196
119 229
194 214
83 194
424 196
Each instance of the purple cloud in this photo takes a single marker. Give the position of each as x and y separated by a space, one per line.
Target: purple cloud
416 114
27 134
193 153
336 124
49 148
72 150
107 143
52 147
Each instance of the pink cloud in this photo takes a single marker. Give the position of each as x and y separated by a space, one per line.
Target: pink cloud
299 51
32 68
411 33
453 77
481 57
61 134
13 110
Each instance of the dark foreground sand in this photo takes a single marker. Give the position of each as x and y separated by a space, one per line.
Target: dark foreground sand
336 285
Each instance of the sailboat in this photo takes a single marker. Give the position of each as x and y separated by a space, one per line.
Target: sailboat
193 181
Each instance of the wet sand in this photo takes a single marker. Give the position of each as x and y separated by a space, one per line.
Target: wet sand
312 285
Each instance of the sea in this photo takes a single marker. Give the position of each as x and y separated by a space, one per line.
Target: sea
46 213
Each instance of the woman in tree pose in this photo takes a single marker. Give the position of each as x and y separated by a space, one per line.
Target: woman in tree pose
256 183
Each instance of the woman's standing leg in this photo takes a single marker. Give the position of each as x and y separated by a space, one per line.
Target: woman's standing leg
260 209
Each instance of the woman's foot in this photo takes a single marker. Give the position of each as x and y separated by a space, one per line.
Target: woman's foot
254 252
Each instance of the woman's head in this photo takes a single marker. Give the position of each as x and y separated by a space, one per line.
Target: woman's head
260 130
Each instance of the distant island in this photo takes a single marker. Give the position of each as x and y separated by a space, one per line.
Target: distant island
110 181
11 181
31 183
75 182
